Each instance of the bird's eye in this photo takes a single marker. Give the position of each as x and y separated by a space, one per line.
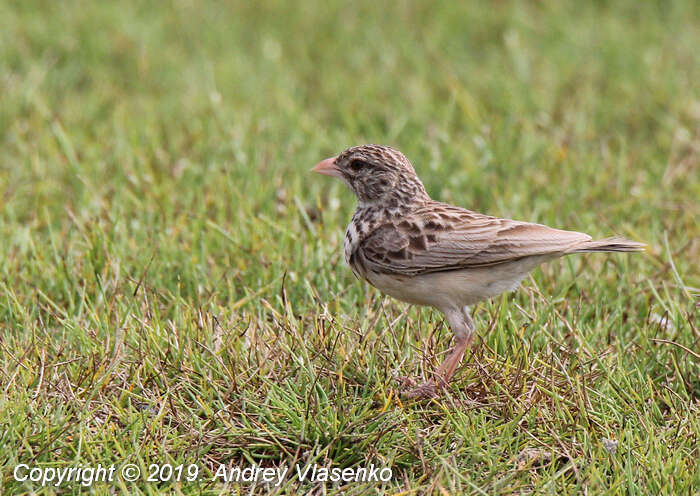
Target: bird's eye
356 165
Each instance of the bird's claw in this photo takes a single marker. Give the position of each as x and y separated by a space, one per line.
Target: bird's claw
405 382
426 390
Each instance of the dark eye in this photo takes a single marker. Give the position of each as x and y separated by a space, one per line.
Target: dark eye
356 165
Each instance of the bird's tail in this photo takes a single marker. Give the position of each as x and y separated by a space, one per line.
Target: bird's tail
608 244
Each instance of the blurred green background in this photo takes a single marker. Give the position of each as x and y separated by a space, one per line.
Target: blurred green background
156 205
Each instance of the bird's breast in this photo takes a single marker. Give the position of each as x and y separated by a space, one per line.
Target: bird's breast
351 241
351 248
364 220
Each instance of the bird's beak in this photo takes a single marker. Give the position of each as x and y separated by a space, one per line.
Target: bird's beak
327 167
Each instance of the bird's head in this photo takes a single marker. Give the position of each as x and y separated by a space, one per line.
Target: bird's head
377 174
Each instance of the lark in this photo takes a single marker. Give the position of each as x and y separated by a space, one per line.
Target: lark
430 253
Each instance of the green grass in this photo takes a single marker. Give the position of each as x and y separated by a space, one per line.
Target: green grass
172 287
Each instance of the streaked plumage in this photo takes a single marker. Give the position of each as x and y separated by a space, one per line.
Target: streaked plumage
430 253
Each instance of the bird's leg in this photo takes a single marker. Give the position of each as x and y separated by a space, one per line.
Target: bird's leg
463 327
448 367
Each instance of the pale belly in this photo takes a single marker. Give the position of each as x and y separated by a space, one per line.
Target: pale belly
456 289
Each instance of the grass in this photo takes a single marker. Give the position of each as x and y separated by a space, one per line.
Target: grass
172 288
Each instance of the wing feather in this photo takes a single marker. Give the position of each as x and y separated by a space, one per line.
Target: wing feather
442 237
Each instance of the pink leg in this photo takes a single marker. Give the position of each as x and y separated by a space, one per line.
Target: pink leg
448 367
463 327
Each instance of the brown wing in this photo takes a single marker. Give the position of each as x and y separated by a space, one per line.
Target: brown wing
441 237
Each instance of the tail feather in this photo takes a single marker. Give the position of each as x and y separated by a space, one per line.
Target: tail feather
608 244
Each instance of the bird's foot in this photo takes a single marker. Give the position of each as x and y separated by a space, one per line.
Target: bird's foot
409 389
405 382
424 391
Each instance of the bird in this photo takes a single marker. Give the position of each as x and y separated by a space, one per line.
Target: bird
429 253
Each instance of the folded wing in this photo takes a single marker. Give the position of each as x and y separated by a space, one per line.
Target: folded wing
440 237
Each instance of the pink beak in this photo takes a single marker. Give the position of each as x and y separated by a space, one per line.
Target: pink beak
327 167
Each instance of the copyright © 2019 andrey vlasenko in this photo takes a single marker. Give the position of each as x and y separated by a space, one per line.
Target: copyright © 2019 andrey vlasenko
255 474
